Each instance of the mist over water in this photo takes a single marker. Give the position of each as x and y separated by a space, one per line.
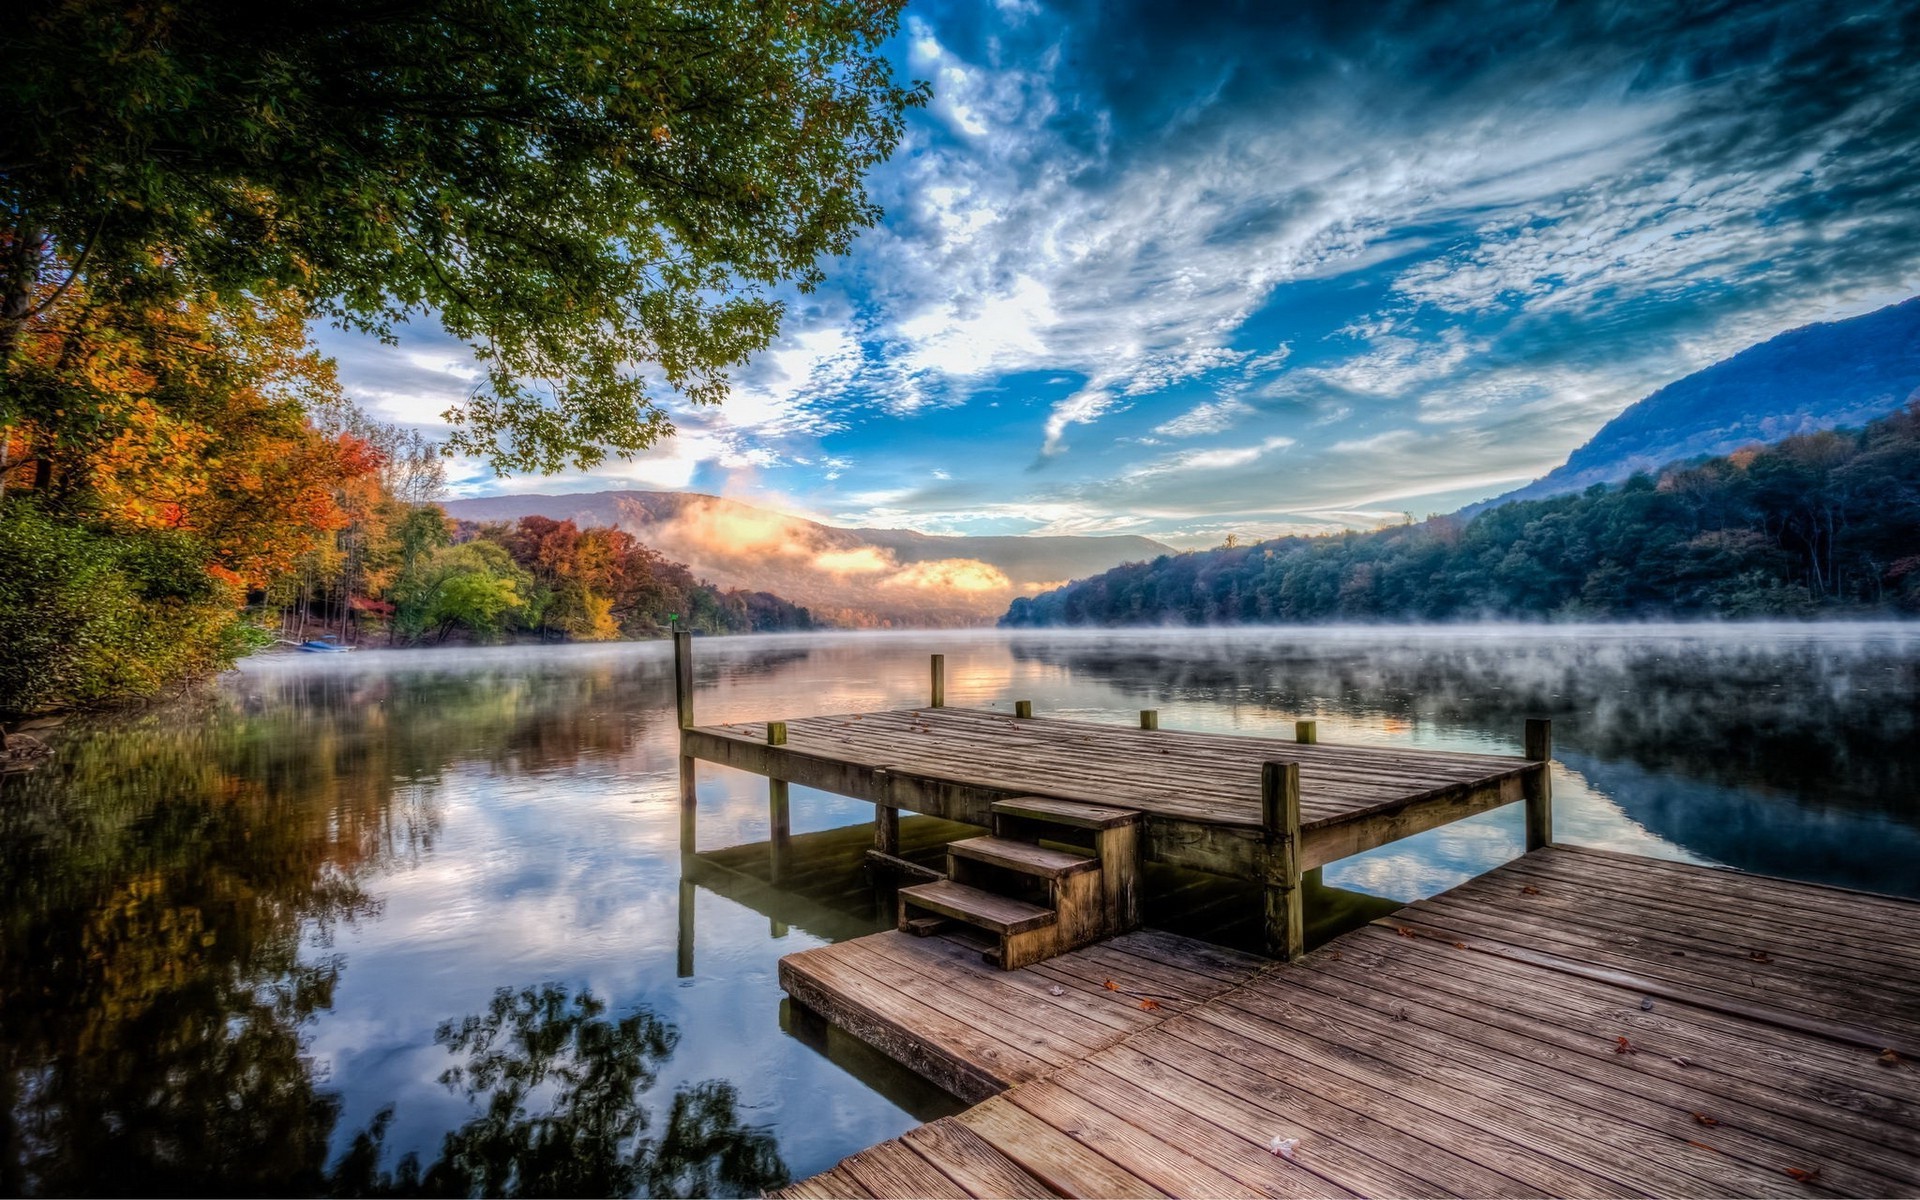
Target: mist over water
242 928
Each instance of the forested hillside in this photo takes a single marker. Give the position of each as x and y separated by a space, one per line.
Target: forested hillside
1826 522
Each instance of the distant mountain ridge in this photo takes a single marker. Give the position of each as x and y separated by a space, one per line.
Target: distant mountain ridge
859 577
1821 376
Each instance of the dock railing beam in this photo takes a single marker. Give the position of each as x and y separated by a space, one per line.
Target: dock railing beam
1538 787
1286 927
779 814
939 699
683 701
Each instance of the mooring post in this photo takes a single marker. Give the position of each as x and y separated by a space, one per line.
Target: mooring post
1538 785
1307 733
939 681
683 701
1280 820
1023 709
1149 718
886 818
779 818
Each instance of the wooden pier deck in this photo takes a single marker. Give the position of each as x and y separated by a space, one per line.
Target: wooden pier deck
932 1004
1201 793
1575 1023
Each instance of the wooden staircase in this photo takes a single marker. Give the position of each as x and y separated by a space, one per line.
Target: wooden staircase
1054 875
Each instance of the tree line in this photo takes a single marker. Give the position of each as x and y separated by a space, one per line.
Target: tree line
1816 524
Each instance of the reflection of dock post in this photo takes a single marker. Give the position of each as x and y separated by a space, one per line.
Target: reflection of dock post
1538 785
779 815
886 818
683 702
1280 821
683 958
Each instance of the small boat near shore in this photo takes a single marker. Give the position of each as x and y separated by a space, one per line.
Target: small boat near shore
324 645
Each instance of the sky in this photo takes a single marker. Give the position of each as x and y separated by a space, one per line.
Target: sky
1190 270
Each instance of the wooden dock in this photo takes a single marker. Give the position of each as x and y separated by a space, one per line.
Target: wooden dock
933 1005
1263 809
1576 1023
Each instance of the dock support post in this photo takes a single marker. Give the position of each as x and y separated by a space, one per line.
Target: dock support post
1023 709
886 821
683 701
1307 733
1280 818
939 699
779 816
1538 787
1149 718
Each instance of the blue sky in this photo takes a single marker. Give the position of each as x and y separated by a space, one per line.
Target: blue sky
1188 270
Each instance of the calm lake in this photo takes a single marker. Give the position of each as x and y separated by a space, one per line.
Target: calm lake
348 909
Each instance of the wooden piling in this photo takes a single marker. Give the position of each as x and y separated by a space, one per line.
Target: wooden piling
683 677
1307 733
683 701
779 814
1149 718
1537 787
1023 709
1280 821
886 821
939 699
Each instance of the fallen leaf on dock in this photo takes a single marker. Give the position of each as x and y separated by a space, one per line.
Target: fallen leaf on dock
1803 1174
1459 945
1281 1147
1890 1058
1704 1119
1761 956
1112 986
1149 1004
1401 1014
1403 931
1056 990
1704 1146
1622 1046
1529 890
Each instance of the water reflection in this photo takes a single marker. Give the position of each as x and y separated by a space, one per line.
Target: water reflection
246 935
592 1139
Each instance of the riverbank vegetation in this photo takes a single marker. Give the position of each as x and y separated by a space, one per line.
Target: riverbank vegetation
1827 523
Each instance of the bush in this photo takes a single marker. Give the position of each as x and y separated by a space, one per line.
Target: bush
91 617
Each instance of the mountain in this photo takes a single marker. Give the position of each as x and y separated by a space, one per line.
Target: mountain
859 577
1838 373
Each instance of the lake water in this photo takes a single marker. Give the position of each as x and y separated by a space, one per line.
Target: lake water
349 909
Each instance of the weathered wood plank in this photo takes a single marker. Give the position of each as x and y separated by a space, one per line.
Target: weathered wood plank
967 1159
1049 1155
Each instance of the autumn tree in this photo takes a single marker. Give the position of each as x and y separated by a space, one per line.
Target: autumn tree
593 193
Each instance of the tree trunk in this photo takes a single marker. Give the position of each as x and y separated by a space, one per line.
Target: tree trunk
19 275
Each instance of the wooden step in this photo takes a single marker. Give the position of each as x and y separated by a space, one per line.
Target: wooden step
997 914
1024 857
1066 812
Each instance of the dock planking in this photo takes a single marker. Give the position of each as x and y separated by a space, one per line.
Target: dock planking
954 763
931 1003
1575 1023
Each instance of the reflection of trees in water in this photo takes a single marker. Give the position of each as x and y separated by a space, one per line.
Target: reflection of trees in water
169 885
591 1140
1824 719
156 889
